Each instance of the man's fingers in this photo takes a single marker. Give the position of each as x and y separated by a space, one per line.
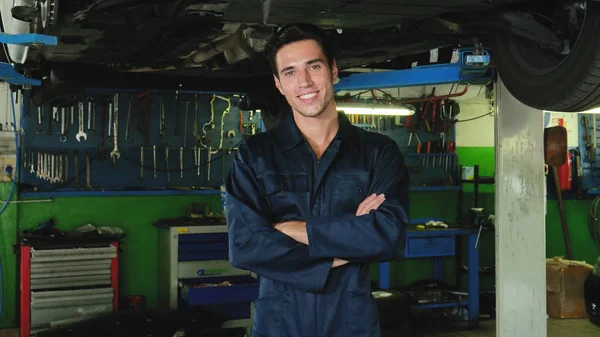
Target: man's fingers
373 204
362 204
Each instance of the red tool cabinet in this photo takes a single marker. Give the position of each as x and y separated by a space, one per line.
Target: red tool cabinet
66 282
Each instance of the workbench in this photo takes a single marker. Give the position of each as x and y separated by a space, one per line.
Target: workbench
437 243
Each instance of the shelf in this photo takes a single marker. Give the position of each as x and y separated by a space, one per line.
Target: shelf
480 181
433 188
116 193
440 305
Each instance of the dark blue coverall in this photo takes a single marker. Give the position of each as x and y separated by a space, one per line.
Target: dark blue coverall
276 177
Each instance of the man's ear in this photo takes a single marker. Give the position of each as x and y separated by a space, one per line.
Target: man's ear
278 84
334 72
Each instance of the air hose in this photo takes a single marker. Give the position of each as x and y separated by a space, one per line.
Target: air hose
593 221
12 190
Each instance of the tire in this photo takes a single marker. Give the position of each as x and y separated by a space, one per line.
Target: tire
572 86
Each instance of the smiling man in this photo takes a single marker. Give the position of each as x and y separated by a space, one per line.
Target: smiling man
311 203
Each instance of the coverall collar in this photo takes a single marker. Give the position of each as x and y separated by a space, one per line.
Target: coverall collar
288 136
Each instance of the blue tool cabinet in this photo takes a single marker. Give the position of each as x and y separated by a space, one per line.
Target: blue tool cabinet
194 270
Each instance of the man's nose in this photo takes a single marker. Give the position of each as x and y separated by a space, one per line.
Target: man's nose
305 78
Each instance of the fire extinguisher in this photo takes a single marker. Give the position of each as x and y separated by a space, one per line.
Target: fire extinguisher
565 175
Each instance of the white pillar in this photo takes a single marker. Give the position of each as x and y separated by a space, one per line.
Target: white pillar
520 221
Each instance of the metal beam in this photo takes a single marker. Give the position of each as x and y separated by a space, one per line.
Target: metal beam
470 69
28 39
520 219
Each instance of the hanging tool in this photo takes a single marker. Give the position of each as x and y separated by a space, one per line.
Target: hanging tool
177 113
66 161
110 117
198 150
88 165
162 118
154 155
63 121
101 155
185 123
181 161
144 122
80 134
141 163
89 122
167 163
76 160
115 154
208 164
128 125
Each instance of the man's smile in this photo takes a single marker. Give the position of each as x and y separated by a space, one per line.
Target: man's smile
309 97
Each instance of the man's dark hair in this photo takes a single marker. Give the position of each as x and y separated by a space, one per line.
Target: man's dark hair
293 33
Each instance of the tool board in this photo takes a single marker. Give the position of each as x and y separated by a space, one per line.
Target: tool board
152 124
184 125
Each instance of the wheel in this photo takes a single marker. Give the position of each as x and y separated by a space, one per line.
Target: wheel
551 80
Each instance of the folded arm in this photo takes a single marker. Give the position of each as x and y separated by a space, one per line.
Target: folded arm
256 246
373 237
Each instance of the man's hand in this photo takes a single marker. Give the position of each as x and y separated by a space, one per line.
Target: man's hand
294 229
338 262
372 202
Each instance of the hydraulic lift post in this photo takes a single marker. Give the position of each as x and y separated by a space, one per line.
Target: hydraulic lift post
520 207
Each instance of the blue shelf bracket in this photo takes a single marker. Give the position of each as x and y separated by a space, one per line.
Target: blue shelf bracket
470 69
7 72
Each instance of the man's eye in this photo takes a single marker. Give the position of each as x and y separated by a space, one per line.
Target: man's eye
289 73
316 66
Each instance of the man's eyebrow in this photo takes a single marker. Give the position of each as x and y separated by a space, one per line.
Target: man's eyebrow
313 61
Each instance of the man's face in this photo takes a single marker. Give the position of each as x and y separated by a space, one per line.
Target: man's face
305 79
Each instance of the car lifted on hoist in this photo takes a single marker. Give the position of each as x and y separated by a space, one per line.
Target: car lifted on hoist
546 52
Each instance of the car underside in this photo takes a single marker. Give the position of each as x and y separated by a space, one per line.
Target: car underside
218 45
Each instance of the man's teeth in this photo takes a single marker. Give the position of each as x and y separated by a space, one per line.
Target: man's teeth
308 96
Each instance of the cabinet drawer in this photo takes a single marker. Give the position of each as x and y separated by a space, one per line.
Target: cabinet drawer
430 246
205 291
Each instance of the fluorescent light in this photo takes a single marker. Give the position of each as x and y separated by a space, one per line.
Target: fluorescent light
374 109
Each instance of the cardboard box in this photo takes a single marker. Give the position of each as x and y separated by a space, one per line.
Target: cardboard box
565 287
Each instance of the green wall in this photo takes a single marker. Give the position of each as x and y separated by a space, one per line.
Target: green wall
134 215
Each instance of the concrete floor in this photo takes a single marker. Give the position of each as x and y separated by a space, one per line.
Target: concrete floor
556 328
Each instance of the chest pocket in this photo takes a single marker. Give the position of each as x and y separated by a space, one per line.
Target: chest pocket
287 194
349 190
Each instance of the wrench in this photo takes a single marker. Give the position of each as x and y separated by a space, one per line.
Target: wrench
115 154
81 133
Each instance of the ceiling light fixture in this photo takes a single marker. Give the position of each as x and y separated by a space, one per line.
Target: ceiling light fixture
350 108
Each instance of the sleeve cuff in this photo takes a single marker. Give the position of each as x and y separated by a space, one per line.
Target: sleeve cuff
317 245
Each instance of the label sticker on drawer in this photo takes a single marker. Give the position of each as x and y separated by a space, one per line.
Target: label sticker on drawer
204 272
182 230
